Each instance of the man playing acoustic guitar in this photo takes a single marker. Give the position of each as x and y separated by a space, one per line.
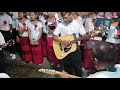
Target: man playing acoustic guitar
69 26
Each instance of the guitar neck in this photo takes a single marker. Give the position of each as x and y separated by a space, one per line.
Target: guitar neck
79 39
54 72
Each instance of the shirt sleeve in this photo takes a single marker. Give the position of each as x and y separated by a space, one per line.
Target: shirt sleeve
9 20
79 20
28 25
82 29
57 30
2 40
89 26
40 25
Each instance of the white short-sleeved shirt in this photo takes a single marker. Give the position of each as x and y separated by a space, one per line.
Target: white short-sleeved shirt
79 20
5 20
89 26
14 18
4 75
112 31
2 40
107 74
34 30
72 28
20 25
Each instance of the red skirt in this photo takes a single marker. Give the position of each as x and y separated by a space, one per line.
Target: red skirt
37 53
44 44
51 55
87 63
26 49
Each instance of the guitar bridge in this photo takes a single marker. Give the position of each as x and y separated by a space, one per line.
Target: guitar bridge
66 49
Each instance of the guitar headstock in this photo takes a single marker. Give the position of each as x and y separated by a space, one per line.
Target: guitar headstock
10 42
103 28
47 71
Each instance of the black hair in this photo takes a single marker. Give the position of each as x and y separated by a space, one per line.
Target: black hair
106 53
36 13
25 15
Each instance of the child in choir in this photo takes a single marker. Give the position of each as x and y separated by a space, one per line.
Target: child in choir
35 34
22 38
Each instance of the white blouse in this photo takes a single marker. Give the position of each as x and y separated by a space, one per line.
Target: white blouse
34 30
5 20
24 25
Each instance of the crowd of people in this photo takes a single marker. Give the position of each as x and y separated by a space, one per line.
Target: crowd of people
34 34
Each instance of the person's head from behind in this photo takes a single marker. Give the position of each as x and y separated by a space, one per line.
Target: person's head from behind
105 55
67 17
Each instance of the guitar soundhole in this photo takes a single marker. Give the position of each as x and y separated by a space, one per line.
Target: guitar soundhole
60 46
66 49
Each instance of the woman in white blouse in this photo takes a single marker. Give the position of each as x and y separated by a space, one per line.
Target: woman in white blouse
23 39
35 33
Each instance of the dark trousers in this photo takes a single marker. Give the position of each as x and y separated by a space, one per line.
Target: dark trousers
7 36
2 62
72 63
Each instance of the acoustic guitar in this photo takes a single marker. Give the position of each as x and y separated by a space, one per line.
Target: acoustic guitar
62 51
9 43
54 72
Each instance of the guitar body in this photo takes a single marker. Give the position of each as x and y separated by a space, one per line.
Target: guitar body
60 50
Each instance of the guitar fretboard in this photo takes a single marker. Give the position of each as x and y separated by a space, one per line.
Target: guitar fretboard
78 39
